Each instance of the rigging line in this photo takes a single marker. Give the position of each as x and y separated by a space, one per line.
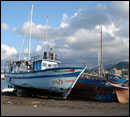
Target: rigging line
23 41
30 34
22 46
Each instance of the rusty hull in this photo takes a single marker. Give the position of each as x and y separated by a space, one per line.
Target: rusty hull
122 94
90 91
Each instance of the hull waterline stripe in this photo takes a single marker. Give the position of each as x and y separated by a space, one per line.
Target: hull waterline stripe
46 76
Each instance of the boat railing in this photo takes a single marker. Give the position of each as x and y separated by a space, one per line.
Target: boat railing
93 76
71 65
17 66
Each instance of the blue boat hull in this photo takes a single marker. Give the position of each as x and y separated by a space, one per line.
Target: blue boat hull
95 88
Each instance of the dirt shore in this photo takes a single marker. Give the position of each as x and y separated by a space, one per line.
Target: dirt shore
12 105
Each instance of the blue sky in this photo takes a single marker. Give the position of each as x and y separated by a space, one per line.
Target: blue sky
15 13
72 23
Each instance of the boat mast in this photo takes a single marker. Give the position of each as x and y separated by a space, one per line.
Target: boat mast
30 33
98 63
101 63
46 32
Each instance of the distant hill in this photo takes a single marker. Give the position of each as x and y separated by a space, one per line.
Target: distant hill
121 65
109 66
118 66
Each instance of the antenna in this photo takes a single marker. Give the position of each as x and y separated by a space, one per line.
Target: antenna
30 33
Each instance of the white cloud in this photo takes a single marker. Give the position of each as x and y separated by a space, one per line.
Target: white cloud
77 38
38 48
4 26
120 9
7 52
111 29
63 23
85 44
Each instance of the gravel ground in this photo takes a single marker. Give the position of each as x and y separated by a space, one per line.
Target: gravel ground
42 106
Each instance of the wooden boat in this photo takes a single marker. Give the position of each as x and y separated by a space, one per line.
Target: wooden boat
122 91
97 87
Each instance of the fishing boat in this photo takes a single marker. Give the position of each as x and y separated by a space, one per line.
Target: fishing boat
44 74
96 86
122 91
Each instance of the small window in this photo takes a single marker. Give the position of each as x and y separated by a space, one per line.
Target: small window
126 83
49 65
54 65
116 77
44 64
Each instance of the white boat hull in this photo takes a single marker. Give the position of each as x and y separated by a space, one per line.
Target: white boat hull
59 80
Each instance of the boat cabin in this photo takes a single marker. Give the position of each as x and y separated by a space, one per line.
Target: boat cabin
48 61
36 63
44 64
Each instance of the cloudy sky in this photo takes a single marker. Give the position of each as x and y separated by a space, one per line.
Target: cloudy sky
73 30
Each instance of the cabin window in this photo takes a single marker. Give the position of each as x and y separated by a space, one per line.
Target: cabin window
54 65
126 83
116 77
44 65
37 65
49 65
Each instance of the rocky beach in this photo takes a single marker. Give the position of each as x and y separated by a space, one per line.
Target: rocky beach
12 105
